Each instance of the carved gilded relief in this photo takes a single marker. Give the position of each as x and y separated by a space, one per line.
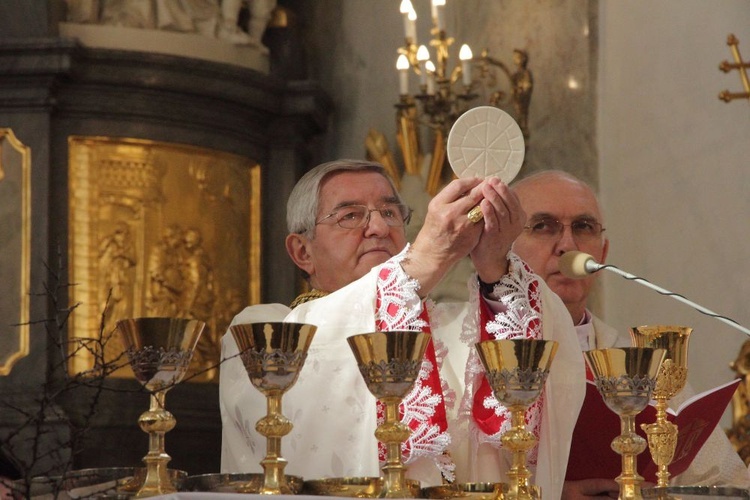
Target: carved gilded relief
15 248
159 229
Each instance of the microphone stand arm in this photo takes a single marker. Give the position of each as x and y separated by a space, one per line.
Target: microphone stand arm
676 296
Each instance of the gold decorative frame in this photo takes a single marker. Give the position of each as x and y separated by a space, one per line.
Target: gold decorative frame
15 240
158 230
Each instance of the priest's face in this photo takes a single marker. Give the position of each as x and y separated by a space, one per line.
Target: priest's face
336 256
548 200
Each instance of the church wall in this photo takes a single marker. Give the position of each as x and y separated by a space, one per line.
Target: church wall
673 171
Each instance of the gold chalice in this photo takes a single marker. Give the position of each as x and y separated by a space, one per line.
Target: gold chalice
159 351
390 363
516 370
671 379
273 355
625 377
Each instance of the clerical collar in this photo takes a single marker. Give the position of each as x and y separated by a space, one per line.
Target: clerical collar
585 332
586 319
307 297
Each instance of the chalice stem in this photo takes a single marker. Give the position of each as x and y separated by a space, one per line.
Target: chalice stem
662 441
156 421
519 441
629 444
274 480
394 471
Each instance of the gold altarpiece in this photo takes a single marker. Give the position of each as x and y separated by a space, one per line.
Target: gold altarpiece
159 229
15 240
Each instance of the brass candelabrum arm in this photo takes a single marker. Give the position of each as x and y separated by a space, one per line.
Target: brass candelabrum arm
739 65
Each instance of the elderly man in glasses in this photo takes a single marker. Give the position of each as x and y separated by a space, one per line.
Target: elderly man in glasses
563 215
346 233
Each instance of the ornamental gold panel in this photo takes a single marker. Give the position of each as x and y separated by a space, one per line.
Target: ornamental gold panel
15 242
158 230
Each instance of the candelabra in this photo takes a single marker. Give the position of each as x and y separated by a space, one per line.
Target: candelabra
445 93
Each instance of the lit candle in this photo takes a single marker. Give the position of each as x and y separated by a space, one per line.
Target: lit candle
465 55
422 55
430 77
438 7
410 21
402 65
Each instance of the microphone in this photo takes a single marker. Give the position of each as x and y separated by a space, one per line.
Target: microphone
579 265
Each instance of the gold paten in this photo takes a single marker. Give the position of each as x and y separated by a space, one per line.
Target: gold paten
159 229
159 352
389 363
15 239
662 434
469 491
273 354
516 370
353 487
626 377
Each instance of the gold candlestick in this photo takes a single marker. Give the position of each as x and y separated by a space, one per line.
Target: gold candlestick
159 351
517 369
390 363
626 377
273 355
671 379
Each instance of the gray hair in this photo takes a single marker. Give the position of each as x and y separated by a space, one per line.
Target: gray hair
560 174
302 206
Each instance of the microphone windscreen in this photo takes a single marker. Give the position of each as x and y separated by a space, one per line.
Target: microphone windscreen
573 264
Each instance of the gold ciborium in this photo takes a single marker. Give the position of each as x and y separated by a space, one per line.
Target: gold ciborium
390 363
159 351
625 377
671 379
273 355
516 370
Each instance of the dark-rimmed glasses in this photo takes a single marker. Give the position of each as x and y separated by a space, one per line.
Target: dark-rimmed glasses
584 229
355 216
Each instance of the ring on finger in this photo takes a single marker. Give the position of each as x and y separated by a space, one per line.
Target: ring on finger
475 214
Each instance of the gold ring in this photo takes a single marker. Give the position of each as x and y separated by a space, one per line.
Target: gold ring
475 214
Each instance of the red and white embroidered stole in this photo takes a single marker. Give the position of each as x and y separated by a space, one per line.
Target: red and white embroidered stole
522 318
423 409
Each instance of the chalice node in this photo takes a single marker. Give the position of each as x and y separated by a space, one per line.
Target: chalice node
671 379
273 354
159 351
517 370
389 363
626 377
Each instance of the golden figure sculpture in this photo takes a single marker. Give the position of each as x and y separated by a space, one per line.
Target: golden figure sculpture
116 262
523 85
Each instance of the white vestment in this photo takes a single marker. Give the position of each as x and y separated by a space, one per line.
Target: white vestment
333 412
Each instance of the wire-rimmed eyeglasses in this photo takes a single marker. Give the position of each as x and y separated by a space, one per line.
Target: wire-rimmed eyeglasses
584 229
354 216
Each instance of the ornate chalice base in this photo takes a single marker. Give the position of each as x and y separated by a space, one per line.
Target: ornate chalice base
104 483
159 351
516 370
390 363
249 483
671 379
273 355
625 377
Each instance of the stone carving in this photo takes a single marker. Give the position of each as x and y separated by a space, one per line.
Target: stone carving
214 18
